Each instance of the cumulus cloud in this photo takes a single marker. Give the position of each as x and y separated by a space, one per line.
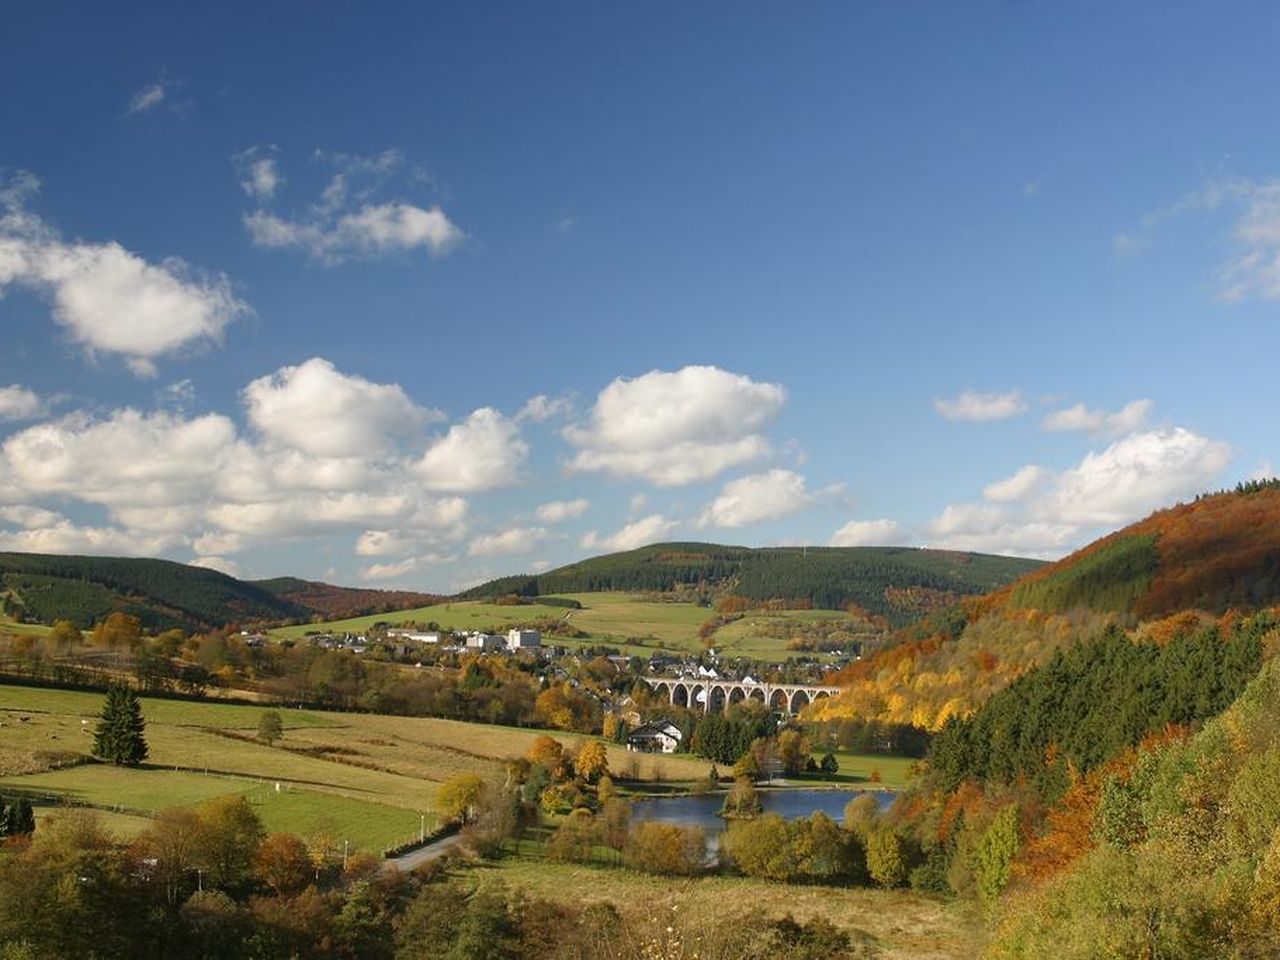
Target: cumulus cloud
752 499
1017 487
260 177
484 452
348 221
676 428
973 406
168 478
390 571
19 403
1079 417
382 543
557 511
107 299
650 529
1107 489
517 540
1134 476
318 409
64 537
866 533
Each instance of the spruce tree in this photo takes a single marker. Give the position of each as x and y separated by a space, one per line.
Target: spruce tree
118 737
21 820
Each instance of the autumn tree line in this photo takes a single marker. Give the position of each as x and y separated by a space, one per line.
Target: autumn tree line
1072 767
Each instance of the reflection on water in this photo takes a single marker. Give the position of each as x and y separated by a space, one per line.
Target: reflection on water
704 811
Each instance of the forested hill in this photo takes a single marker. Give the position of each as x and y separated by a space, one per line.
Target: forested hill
43 588
898 583
1177 571
1218 553
340 603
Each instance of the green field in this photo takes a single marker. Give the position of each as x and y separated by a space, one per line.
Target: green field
468 615
636 625
361 777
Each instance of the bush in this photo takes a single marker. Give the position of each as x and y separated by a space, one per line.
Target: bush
665 849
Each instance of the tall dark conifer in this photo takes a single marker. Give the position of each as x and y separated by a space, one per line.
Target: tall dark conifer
119 736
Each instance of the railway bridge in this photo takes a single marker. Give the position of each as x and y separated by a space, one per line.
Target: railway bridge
714 696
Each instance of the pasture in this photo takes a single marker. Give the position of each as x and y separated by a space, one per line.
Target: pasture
365 778
467 615
635 624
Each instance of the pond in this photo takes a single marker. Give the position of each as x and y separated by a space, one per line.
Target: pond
704 810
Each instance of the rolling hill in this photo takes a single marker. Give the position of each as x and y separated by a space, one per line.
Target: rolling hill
1174 572
162 594
898 583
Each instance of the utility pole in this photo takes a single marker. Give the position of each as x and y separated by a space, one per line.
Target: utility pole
344 855
422 827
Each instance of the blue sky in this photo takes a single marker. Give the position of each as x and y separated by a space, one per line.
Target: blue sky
280 290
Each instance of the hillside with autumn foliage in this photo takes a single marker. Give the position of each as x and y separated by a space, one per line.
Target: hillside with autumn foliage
1101 777
1187 566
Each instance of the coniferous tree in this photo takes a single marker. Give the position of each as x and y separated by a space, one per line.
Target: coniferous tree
20 819
119 736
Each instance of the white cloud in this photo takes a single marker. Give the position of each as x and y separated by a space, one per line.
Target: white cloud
557 511
513 542
347 222
212 543
484 452
542 408
389 571
1134 476
752 499
130 458
65 537
1017 487
29 517
19 403
147 98
973 406
866 533
382 543
1108 489
319 410
194 480
676 428
650 529
1079 417
260 177
221 564
1254 270
107 299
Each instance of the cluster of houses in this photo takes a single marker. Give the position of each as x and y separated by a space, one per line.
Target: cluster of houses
513 641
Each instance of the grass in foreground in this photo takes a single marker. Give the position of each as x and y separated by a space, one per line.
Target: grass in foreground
906 925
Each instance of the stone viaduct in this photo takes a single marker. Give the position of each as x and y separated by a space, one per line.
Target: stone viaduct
714 696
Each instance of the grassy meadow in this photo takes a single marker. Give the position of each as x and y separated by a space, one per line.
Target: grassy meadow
365 778
636 625
904 925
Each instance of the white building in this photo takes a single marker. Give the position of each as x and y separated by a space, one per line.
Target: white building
663 736
414 636
485 642
523 640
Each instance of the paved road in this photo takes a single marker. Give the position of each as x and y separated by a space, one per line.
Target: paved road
416 858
